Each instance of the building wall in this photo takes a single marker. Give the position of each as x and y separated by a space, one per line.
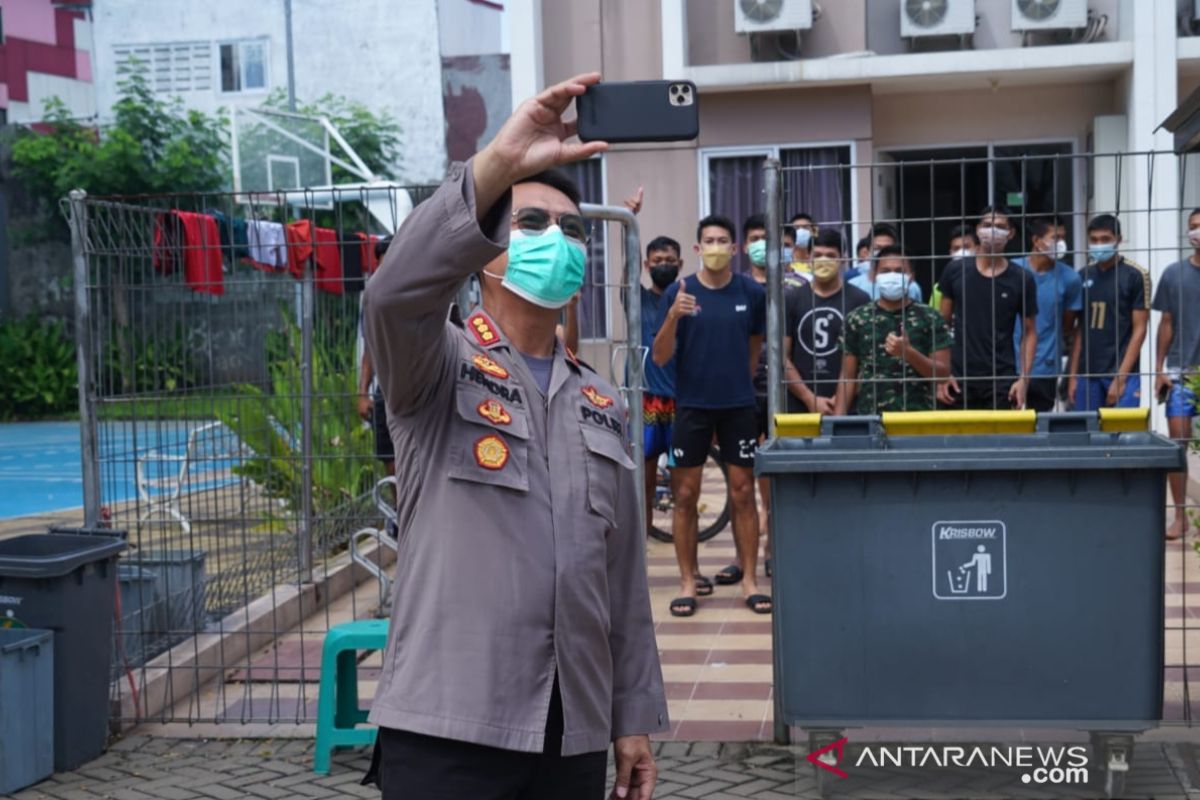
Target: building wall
383 53
45 53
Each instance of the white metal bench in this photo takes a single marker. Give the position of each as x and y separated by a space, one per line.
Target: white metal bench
207 462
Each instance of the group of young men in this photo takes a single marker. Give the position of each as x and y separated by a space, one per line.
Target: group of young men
998 334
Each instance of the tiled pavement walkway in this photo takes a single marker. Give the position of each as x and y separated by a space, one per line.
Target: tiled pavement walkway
141 768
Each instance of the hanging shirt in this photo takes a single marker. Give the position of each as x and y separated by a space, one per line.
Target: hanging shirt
267 244
305 241
194 240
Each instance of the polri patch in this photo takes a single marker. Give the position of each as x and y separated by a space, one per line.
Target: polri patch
494 412
491 452
489 366
595 398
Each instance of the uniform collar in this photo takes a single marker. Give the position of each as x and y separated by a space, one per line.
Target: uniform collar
488 335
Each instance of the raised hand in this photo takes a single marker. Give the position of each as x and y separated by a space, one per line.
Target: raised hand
532 140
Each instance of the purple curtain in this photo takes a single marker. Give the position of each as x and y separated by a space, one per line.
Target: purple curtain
815 181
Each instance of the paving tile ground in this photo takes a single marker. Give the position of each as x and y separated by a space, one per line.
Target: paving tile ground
148 768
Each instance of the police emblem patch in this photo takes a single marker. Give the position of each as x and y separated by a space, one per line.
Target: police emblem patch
490 367
595 398
494 412
491 452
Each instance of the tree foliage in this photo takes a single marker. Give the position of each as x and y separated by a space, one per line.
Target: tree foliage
154 146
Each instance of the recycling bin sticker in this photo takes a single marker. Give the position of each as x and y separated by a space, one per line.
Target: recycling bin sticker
970 560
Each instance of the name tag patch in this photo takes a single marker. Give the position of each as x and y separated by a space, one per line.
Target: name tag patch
473 374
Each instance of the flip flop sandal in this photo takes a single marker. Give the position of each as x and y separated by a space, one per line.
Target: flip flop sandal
730 575
755 600
683 606
704 586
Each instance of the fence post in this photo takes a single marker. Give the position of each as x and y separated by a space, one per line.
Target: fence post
635 360
89 457
307 317
775 390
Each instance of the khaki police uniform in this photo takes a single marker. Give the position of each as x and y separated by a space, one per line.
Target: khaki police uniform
520 553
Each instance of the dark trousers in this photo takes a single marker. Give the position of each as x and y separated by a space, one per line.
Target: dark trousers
416 767
982 394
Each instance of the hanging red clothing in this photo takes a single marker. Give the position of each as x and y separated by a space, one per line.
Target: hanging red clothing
194 239
303 239
369 261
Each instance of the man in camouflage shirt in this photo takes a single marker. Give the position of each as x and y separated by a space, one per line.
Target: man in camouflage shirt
893 350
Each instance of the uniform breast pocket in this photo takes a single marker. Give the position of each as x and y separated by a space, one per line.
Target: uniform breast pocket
607 462
490 443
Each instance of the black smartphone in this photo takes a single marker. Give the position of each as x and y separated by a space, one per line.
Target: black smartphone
639 111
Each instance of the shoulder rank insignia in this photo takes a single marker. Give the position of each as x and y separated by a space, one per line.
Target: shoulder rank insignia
494 412
485 364
491 452
483 329
595 398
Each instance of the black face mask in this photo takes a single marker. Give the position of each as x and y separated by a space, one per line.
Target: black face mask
663 275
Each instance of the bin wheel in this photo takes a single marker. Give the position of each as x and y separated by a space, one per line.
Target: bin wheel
1114 752
817 739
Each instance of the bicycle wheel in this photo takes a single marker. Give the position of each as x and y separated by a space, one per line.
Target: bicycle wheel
712 510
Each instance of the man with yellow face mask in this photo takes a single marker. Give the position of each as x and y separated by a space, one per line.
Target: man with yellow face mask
813 330
714 328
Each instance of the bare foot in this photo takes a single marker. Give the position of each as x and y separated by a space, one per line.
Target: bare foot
1177 530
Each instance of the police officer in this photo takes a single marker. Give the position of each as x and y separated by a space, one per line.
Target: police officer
521 640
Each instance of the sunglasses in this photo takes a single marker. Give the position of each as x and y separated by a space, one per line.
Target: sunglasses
539 220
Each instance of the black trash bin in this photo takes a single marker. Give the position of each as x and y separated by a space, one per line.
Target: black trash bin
932 571
66 583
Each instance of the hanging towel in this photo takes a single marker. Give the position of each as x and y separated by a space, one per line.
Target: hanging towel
194 240
306 241
370 261
352 262
267 244
233 234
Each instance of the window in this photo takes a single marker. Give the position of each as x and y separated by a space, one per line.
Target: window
816 180
244 66
169 68
593 304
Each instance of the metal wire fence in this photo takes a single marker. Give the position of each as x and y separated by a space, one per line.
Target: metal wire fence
1108 332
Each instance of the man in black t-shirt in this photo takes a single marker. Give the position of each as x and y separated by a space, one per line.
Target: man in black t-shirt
984 298
815 314
1105 356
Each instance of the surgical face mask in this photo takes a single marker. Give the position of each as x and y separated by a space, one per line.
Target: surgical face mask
1050 250
1100 253
962 252
785 254
892 285
1060 248
758 253
803 238
544 268
863 266
715 257
1194 237
824 269
663 275
992 237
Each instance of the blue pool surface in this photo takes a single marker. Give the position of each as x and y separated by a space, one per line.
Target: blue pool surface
40 462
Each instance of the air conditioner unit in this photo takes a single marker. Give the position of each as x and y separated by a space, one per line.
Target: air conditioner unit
1039 15
760 16
937 17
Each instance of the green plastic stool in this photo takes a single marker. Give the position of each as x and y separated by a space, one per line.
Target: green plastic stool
337 706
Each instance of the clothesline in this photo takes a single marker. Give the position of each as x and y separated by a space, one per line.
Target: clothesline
197 241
